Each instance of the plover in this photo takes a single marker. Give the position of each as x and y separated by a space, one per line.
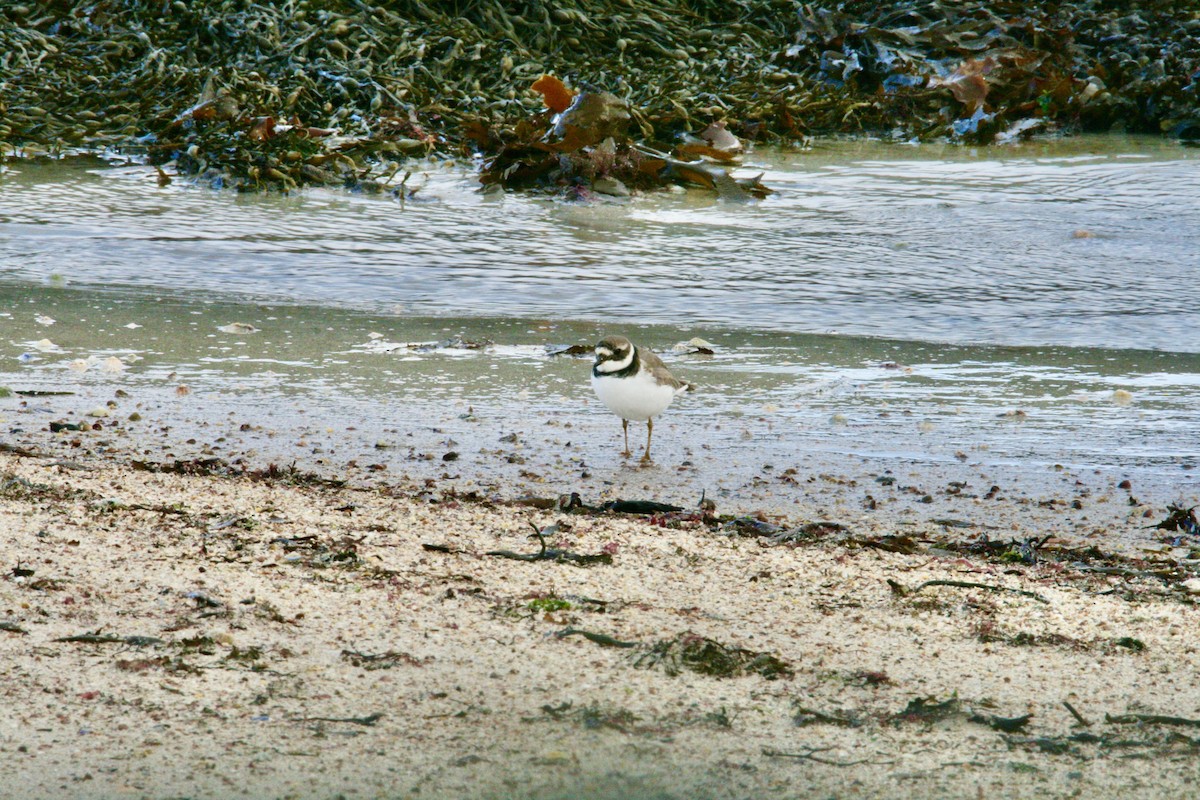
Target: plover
634 384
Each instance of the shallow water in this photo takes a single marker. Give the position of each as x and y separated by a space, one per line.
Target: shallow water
1088 242
889 305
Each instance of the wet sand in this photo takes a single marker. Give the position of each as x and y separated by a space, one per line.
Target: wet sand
258 634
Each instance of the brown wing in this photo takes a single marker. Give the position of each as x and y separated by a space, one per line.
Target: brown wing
659 370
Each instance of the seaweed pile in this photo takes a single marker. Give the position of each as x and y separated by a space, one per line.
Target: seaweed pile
582 141
342 91
1009 68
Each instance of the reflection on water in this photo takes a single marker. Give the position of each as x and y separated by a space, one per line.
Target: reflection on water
1085 242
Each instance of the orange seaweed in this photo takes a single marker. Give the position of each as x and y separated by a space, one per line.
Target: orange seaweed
555 94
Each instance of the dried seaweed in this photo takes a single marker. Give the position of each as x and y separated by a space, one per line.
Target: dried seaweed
710 657
583 141
387 660
927 710
1180 519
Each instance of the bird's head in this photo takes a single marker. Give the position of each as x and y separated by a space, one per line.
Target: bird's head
613 353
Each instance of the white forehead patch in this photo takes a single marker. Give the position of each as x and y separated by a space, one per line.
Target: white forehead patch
603 351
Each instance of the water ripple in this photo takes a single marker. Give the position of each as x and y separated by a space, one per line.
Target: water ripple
1085 242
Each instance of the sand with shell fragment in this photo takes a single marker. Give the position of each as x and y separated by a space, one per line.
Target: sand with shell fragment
301 642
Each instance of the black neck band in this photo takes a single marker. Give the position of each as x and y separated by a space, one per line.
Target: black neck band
624 372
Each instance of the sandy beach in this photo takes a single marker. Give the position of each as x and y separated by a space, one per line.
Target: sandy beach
305 494
248 632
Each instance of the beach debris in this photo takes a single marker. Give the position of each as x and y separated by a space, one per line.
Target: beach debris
238 327
551 608
710 657
694 346
927 710
893 543
585 141
45 321
463 343
805 716
202 600
569 350
547 553
951 522
777 534
386 660
366 721
900 590
751 525
41 392
1130 643
58 426
715 142
967 82
220 467
291 474
556 96
196 466
810 754
96 637
639 507
1004 724
1151 719
1080 720
1012 551
989 631
453 343
1179 519
11 627
21 487
659 512
593 716
548 604
602 639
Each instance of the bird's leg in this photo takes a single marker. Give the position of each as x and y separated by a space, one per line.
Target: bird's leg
649 433
625 427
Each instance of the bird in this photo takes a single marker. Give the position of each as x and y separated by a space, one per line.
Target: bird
635 385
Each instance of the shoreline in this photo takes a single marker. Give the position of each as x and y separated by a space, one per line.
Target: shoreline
246 630
550 439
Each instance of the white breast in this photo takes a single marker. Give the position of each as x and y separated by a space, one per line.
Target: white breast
636 398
